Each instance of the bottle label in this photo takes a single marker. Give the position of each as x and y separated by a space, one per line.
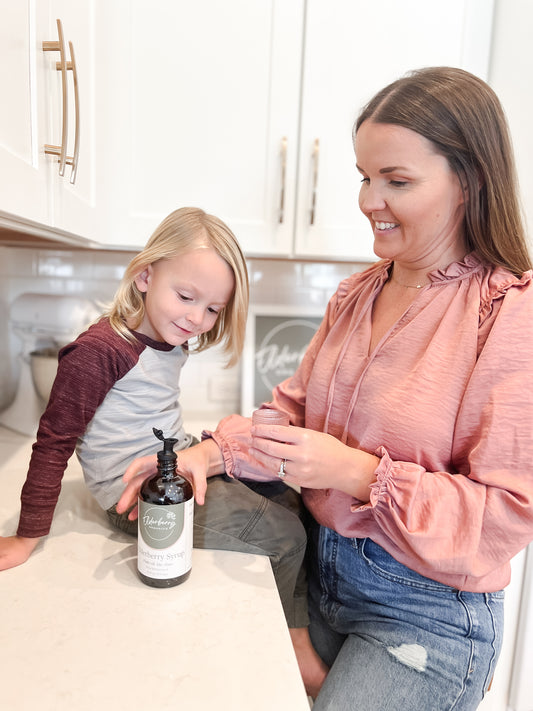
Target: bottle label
165 539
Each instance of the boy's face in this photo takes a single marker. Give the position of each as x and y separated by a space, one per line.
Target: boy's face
184 295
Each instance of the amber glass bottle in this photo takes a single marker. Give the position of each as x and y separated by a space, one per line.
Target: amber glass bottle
166 508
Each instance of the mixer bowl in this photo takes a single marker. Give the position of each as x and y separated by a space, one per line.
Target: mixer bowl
43 370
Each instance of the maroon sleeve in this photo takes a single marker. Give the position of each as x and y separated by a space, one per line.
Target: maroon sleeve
88 368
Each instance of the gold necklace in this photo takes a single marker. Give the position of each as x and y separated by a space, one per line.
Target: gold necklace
407 286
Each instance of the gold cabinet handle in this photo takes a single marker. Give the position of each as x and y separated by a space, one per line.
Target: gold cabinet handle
73 160
316 151
283 176
59 46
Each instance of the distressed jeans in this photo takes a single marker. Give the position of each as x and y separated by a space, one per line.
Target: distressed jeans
395 640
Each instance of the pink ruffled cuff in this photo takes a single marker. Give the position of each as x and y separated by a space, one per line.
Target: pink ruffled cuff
234 440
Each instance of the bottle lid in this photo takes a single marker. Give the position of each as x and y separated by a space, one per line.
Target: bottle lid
167 455
270 416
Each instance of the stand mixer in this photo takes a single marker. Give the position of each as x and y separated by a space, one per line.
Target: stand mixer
43 323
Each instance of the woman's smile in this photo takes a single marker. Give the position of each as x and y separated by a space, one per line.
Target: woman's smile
385 226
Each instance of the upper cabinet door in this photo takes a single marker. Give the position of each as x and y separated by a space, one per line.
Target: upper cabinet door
75 206
47 78
352 49
201 109
23 174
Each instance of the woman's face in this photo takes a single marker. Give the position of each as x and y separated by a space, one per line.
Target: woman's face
410 195
184 295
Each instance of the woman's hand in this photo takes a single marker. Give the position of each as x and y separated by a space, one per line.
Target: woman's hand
15 550
315 460
196 464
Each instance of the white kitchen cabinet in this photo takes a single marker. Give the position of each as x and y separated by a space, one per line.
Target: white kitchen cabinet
353 49
42 112
23 174
242 108
246 109
75 204
196 100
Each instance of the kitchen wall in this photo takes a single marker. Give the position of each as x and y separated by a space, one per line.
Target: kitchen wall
47 272
207 386
208 389
510 74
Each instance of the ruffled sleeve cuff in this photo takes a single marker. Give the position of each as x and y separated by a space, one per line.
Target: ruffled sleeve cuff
386 481
234 440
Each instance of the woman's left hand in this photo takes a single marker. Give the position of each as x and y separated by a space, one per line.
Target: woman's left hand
314 460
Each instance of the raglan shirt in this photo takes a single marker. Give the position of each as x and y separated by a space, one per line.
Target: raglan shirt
107 396
445 400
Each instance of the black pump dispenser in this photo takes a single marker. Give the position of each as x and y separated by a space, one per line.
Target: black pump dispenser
166 508
166 457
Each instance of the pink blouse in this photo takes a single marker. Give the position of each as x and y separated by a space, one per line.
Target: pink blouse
445 400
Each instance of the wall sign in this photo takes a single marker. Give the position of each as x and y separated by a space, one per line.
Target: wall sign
276 340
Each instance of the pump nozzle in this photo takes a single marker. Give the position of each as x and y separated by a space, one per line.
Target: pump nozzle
167 454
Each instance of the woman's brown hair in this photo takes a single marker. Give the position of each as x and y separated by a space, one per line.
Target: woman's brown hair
462 116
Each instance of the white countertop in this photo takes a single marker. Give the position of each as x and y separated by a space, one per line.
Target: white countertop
79 631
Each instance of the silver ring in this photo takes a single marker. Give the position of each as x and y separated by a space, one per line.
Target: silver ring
282 473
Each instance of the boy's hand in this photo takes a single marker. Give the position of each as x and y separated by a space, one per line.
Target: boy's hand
15 550
196 464
134 476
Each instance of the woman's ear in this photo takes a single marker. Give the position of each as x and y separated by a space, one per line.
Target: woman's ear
142 280
477 184
476 187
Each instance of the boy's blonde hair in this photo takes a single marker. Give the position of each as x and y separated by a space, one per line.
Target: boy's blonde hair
180 232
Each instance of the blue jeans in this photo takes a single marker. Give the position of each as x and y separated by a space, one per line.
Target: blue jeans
395 640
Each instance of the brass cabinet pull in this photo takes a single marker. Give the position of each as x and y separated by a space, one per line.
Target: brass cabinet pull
63 66
73 160
316 151
283 176
59 46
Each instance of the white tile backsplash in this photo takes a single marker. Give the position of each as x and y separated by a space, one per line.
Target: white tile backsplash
208 390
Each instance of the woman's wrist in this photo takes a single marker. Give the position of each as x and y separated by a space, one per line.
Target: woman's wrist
363 475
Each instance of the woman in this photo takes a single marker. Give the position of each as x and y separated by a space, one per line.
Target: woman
411 412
